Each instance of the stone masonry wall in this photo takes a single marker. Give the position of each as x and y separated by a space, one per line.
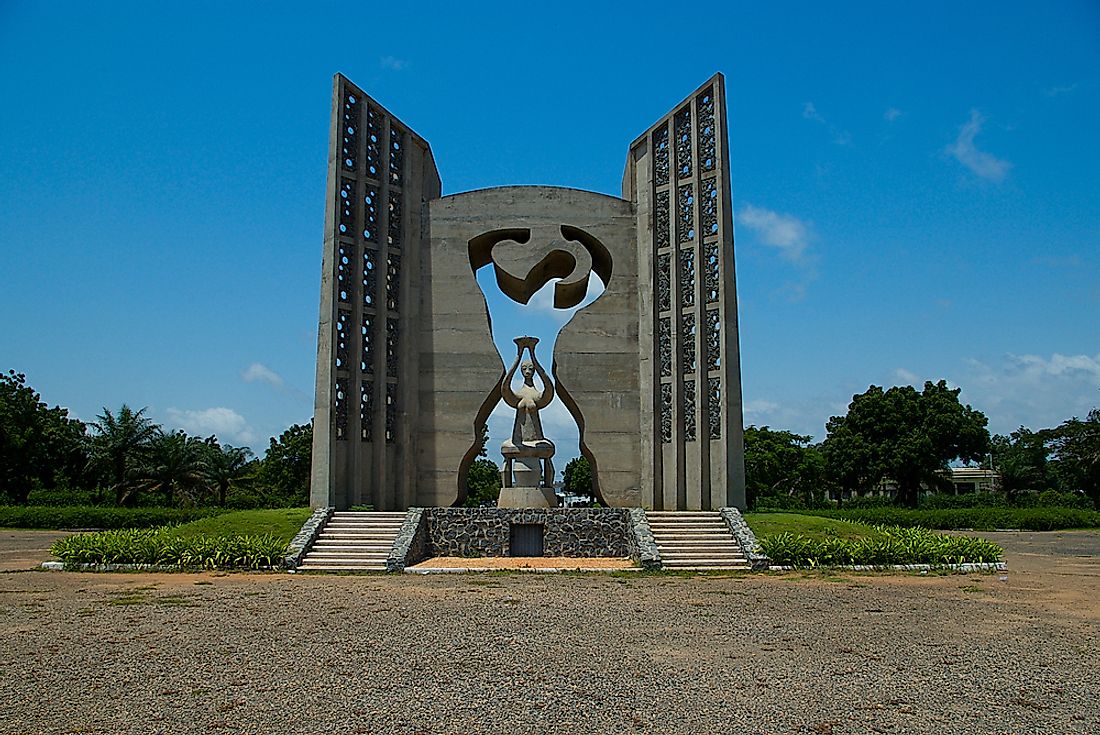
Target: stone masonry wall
576 532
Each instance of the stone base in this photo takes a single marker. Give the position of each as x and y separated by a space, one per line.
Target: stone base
527 497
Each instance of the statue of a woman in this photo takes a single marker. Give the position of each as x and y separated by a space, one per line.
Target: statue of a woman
528 441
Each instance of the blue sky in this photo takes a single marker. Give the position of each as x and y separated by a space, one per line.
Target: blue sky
915 187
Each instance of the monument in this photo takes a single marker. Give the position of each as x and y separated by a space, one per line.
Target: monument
407 371
527 480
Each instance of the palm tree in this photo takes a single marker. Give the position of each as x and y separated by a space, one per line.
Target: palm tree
175 464
227 467
118 444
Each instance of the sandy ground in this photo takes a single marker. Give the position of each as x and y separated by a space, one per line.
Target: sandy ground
571 653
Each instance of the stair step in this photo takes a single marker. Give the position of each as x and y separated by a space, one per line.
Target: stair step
344 524
341 568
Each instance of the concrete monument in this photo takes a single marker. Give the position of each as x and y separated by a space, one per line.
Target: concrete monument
407 371
527 480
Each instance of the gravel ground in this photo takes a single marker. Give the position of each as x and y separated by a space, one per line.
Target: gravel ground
574 653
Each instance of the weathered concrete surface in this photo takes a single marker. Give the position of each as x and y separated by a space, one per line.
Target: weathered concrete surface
595 358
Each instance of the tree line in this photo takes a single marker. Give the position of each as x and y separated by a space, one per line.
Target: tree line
125 458
899 434
911 438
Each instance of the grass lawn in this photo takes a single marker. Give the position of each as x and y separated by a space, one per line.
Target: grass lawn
282 523
815 527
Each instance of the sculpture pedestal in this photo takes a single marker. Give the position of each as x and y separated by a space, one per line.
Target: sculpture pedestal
527 497
523 491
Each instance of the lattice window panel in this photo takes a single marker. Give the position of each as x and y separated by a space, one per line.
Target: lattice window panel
370 213
397 156
374 143
391 412
343 338
708 207
687 340
713 338
712 274
341 400
685 213
682 127
666 412
660 227
366 410
704 105
366 352
391 348
395 219
349 147
346 206
344 255
664 346
687 277
660 155
370 275
714 407
689 410
664 282
393 281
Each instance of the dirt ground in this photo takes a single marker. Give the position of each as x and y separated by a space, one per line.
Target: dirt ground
825 653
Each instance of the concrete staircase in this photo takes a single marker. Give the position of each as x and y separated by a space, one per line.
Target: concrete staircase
695 540
353 542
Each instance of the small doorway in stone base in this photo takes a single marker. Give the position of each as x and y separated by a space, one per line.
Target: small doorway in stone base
526 539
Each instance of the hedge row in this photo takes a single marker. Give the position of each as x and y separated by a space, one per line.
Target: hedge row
982 519
91 516
893 545
162 547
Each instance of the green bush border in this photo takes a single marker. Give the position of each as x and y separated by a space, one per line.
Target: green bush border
90 516
164 547
890 546
982 519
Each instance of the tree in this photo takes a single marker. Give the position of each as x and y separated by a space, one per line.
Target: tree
285 469
482 482
227 468
38 444
1075 445
903 435
175 465
1021 459
577 477
119 444
781 463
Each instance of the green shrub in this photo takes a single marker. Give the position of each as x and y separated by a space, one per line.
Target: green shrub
163 547
87 516
60 497
983 519
891 545
876 501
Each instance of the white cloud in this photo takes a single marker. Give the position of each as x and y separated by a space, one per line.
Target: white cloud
840 137
543 299
892 114
257 371
905 377
1032 390
1059 90
392 63
981 163
785 232
225 423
